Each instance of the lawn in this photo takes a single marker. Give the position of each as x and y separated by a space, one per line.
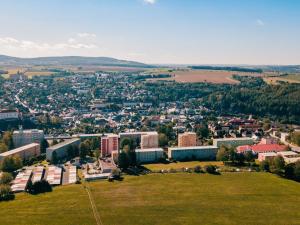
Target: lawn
179 165
163 199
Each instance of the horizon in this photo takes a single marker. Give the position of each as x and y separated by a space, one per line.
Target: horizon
161 32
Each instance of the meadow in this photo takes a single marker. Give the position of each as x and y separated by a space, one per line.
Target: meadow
163 199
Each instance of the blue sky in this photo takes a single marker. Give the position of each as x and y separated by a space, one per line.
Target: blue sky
155 31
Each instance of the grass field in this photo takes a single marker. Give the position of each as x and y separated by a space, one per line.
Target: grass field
179 165
210 76
230 198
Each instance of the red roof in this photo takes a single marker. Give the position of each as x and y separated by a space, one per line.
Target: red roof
260 148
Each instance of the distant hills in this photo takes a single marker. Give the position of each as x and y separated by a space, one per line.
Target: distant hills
70 61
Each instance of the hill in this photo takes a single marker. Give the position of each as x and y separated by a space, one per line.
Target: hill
69 61
231 198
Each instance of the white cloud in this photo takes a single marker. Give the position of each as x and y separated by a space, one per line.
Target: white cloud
260 23
151 2
86 35
71 43
29 48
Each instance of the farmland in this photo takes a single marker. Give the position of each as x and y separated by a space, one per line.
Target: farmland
210 76
230 198
290 78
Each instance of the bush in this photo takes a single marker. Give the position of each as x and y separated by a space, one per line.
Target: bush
6 178
197 169
41 186
265 166
211 169
6 193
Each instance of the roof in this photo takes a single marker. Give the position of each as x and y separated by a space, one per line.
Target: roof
243 148
268 148
62 144
194 148
16 150
149 150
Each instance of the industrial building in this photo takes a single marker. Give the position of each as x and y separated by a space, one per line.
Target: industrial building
61 148
193 153
24 152
149 155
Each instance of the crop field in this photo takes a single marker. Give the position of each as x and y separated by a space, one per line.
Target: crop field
210 76
290 78
163 199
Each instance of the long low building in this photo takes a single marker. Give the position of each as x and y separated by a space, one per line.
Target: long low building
20 182
195 152
54 175
61 148
232 142
149 155
24 152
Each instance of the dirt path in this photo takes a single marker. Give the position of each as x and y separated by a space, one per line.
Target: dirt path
94 208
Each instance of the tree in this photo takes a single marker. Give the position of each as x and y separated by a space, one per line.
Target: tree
3 147
129 142
8 140
197 169
289 171
297 171
279 163
6 193
11 163
210 169
295 138
41 186
54 142
163 140
123 161
6 178
249 156
54 159
222 154
83 150
265 165
44 145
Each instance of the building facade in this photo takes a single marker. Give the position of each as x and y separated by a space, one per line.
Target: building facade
6 114
149 140
193 153
24 137
232 142
24 152
61 148
149 155
109 143
187 139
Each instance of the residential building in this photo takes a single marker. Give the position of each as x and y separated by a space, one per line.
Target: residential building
54 175
194 152
20 182
6 114
187 139
24 137
109 143
24 152
149 140
137 137
61 148
149 155
233 142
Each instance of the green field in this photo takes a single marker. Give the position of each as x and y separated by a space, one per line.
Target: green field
163 199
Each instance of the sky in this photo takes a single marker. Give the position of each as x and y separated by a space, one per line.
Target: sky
257 32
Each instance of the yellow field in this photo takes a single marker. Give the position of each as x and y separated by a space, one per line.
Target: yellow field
209 76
